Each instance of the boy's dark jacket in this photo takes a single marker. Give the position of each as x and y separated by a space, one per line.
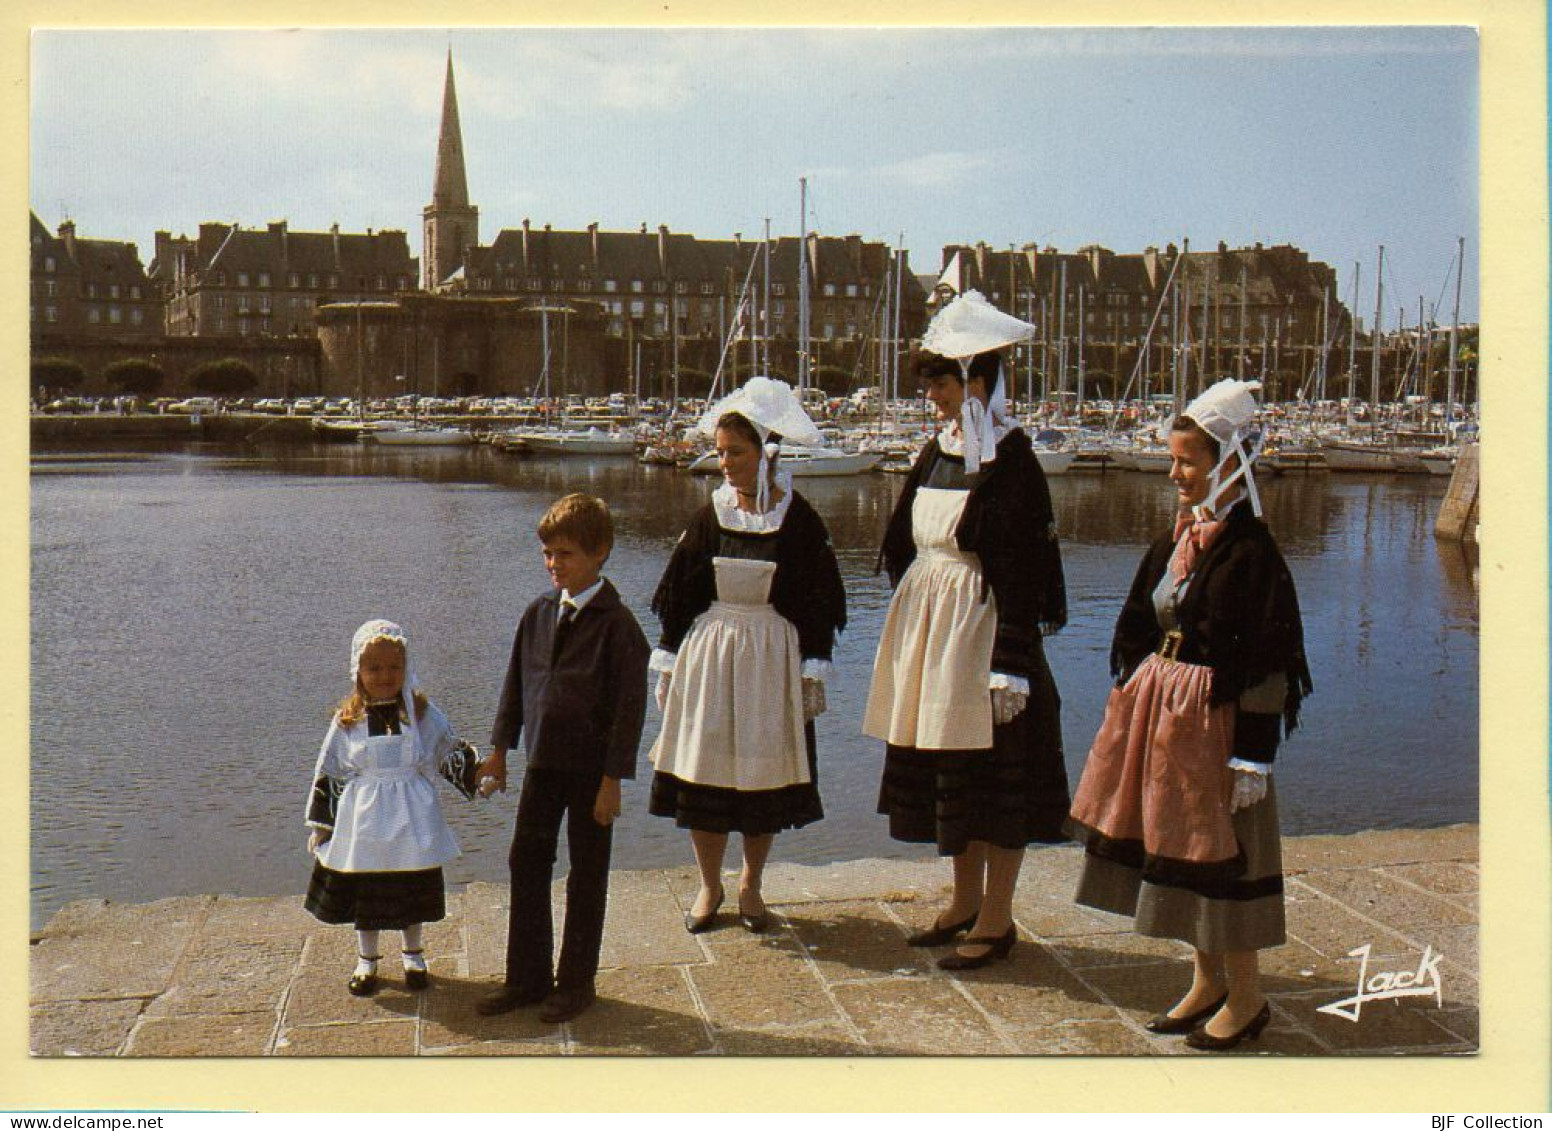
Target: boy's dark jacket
579 702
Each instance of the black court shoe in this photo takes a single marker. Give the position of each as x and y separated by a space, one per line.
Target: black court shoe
1169 1026
696 924
997 947
941 935
1202 1039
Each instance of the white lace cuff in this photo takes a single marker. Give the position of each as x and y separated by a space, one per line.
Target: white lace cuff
662 660
817 669
1002 681
1262 768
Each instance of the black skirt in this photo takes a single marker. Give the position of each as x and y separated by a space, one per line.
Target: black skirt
1011 795
753 812
376 901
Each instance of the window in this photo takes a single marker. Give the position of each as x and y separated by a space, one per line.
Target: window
637 308
242 304
659 286
219 302
829 329
778 288
681 287
134 292
851 290
293 280
264 303
584 285
404 282
708 288
51 314
115 315
136 316
312 281
242 278
333 281
635 286
829 289
220 278
93 315
609 286
242 327
113 290
49 287
91 290
382 282
48 265
263 278
534 284
851 329
780 308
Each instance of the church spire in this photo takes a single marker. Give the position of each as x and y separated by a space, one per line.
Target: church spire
451 187
451 225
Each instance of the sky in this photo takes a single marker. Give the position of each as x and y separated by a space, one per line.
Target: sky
1334 140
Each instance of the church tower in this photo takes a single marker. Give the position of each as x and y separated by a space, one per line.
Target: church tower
451 224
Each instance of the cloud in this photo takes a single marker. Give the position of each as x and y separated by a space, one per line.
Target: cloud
935 172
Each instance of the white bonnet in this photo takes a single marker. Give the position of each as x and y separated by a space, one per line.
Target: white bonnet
370 633
771 406
970 325
1225 410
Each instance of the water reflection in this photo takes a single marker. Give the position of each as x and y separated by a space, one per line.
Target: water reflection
192 611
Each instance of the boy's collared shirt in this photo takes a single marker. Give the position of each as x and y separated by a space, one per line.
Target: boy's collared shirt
578 703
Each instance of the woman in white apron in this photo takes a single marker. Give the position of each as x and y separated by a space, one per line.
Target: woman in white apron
378 832
961 692
750 605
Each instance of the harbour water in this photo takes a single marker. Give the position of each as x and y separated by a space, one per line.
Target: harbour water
192 610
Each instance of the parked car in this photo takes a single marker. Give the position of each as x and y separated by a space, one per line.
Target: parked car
195 404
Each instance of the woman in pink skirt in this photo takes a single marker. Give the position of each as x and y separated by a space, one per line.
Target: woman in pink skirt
1176 807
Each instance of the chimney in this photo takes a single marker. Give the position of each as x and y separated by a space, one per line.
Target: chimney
854 250
67 234
525 244
335 240
1171 251
662 248
592 234
278 228
1223 248
1150 263
980 263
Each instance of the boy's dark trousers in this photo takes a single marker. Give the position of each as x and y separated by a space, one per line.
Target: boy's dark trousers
547 797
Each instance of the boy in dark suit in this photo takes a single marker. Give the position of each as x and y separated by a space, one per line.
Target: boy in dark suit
576 691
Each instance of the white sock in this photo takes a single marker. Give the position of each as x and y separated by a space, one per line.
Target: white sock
414 957
366 952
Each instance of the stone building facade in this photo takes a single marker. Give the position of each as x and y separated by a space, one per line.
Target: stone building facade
90 288
267 282
1257 313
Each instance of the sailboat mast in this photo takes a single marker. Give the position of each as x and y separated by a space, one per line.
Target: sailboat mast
894 351
765 306
1352 344
803 345
1460 269
1374 354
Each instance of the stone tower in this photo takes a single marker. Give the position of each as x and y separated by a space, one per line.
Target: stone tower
451 224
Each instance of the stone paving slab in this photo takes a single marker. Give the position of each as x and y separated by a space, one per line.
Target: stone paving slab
222 976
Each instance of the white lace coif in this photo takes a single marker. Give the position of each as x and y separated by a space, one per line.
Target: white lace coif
1226 412
970 325
770 406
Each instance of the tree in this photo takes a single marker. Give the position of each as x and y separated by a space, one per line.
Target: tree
832 378
228 377
57 373
135 376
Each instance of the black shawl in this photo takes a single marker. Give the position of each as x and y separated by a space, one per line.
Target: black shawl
1008 523
1239 616
806 589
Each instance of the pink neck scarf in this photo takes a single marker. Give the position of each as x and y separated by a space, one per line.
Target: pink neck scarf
1193 534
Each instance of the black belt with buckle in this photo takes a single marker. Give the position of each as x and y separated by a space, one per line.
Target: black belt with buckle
1169 647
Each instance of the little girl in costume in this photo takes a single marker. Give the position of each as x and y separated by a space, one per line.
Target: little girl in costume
378 831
